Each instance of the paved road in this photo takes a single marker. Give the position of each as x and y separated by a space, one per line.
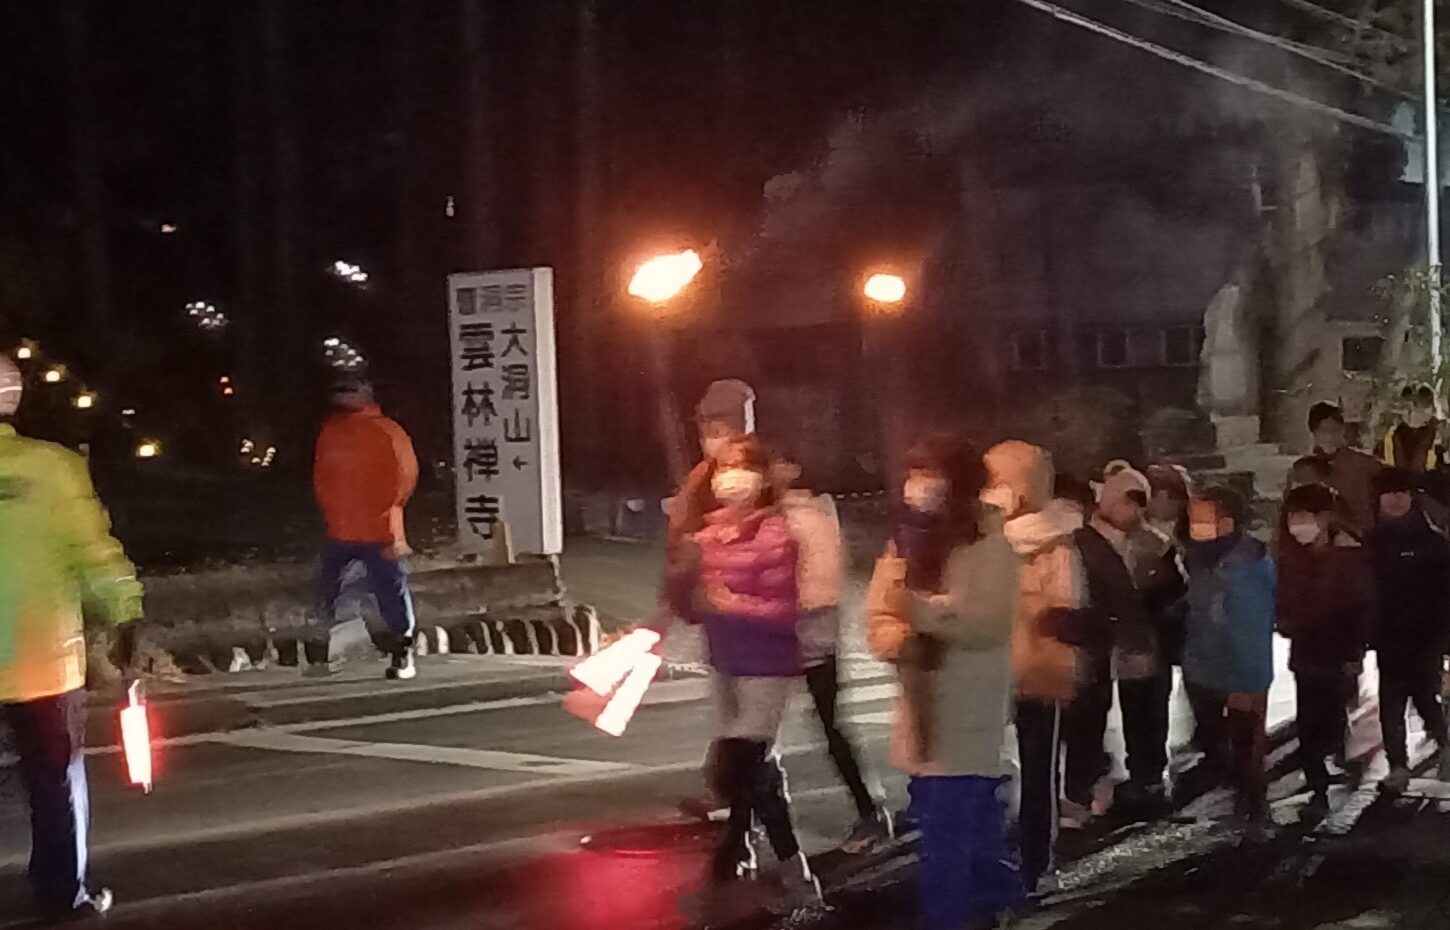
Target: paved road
336 808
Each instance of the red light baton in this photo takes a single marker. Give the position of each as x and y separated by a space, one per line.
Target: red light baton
136 738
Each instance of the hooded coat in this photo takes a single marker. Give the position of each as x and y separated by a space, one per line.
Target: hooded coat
973 621
1051 583
755 560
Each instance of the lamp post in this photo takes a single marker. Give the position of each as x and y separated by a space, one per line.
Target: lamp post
658 282
885 304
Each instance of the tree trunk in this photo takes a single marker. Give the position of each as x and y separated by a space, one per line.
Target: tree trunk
87 168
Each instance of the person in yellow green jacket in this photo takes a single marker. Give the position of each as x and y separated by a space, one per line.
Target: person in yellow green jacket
1413 443
56 553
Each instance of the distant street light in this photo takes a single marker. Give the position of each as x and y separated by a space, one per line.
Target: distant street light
885 295
148 449
661 279
206 316
55 374
26 352
349 272
888 290
85 400
658 281
341 355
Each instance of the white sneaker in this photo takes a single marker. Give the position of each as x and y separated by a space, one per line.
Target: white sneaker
1397 781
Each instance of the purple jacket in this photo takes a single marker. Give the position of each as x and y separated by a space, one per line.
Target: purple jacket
753 559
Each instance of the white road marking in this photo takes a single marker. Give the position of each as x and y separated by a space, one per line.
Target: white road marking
491 759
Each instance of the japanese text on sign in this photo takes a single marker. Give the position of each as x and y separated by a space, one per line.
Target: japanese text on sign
505 410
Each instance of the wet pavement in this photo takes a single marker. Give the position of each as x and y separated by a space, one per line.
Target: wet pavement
347 804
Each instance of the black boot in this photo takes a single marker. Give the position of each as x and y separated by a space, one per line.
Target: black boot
772 805
734 780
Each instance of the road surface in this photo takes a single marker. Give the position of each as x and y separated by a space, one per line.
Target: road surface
429 806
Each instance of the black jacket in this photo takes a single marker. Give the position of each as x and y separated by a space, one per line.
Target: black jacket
1115 614
1411 560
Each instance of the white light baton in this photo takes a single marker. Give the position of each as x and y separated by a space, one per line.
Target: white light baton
136 738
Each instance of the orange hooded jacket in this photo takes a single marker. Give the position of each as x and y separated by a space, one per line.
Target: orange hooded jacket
364 472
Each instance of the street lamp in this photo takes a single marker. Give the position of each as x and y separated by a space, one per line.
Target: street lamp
657 281
660 280
888 291
85 400
885 304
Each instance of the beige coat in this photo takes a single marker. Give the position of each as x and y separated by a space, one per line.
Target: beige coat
1052 577
972 689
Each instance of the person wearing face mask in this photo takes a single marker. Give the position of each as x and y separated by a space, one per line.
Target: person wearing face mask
1411 560
1352 472
907 567
1325 599
1113 630
1228 662
1413 442
725 412
961 590
1048 670
1155 562
747 597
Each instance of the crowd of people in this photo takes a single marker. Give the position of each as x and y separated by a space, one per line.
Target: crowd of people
1010 598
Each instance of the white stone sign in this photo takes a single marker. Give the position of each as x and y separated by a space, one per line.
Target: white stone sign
505 411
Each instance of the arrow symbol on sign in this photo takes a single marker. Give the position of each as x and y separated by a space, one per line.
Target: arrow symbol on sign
519 462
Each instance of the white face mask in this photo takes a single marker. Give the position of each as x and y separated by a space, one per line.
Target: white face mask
713 446
1002 497
736 487
1304 531
925 495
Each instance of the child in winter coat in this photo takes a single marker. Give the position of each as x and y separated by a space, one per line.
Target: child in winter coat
1411 560
817 532
1228 662
909 567
966 872
1325 596
1048 670
748 600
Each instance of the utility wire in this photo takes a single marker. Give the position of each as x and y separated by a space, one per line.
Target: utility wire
1348 22
1324 109
1181 9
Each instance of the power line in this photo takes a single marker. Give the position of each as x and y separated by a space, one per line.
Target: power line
1348 22
1324 109
1183 10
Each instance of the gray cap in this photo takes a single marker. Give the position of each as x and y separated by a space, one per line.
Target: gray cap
729 401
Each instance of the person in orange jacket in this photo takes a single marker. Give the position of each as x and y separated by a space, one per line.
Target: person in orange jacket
364 472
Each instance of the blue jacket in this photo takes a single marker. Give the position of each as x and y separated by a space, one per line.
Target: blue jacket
1230 641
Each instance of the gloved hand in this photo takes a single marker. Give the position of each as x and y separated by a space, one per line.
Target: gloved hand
125 652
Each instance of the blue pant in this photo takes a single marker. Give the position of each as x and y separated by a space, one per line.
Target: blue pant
388 578
968 870
50 737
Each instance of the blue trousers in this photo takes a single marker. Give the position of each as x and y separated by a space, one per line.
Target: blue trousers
968 871
49 734
388 578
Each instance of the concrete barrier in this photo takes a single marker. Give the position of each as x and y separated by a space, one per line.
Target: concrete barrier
234 618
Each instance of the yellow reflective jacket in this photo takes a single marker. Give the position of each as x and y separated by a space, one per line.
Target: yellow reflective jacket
56 552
